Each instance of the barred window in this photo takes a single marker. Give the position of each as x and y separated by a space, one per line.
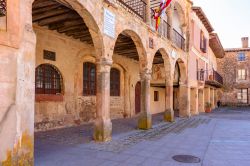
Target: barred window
114 82
3 8
89 79
48 80
241 56
242 96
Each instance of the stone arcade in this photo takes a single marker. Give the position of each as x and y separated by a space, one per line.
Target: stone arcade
60 68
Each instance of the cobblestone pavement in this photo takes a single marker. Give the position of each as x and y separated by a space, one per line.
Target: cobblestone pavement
221 138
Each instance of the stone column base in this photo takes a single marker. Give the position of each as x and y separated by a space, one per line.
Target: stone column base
102 130
169 115
184 114
145 121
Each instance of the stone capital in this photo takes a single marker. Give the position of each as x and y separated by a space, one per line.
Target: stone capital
146 74
104 65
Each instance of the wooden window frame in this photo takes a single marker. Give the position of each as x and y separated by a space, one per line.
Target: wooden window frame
48 80
156 96
115 79
241 76
241 58
240 94
87 82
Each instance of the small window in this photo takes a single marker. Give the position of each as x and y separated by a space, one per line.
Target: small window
242 74
242 96
89 79
114 82
156 95
48 80
241 56
203 43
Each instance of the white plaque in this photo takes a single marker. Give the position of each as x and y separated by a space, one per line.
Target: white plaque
109 23
173 54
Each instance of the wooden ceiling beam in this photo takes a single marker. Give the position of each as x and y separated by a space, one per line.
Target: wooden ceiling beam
44 9
68 28
59 18
43 3
49 13
55 26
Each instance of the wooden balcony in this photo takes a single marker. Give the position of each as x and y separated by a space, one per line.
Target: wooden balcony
179 40
138 7
214 79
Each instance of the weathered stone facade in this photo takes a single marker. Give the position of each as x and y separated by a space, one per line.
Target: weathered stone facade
229 67
149 58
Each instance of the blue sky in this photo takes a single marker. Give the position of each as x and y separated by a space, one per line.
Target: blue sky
230 19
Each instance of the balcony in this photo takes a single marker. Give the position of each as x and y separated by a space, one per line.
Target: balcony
212 78
164 28
137 7
179 40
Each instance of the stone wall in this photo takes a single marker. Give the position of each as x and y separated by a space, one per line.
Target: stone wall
228 67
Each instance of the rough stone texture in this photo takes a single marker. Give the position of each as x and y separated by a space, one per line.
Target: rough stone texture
228 67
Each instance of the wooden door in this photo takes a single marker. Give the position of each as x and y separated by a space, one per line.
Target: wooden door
138 98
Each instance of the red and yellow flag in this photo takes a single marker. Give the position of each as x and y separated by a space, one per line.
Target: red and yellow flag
159 11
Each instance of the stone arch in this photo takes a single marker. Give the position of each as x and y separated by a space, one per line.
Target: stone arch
139 46
183 70
177 7
84 10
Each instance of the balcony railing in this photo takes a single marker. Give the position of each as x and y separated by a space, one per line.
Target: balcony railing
179 40
210 77
164 28
137 7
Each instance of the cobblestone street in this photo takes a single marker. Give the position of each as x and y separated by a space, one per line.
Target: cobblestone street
221 138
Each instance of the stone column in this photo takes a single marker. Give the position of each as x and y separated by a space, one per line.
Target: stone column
212 98
215 98
169 113
148 12
103 125
184 103
194 101
170 20
206 96
145 118
201 100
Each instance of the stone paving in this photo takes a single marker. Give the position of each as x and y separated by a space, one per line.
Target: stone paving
221 138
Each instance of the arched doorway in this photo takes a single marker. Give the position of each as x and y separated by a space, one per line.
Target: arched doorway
176 93
181 91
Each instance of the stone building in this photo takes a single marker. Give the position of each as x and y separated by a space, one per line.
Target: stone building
70 62
235 69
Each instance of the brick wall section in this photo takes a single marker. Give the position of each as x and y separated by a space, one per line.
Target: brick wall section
228 67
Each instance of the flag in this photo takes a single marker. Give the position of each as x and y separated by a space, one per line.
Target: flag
159 11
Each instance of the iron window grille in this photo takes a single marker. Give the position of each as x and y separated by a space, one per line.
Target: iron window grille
48 80
241 56
114 82
89 79
3 8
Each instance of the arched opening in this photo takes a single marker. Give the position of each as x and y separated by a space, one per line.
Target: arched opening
178 22
176 93
63 29
129 54
180 90
158 86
